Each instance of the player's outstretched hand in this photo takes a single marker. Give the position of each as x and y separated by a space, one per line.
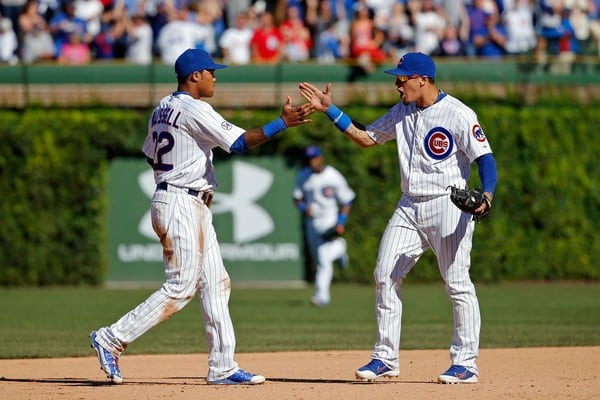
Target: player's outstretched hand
296 115
320 99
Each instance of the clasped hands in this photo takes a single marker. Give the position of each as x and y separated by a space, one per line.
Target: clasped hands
317 100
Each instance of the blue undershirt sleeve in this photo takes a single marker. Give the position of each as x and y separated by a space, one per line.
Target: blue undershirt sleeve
239 146
488 174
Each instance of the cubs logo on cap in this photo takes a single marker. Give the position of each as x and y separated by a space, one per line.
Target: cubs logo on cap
414 64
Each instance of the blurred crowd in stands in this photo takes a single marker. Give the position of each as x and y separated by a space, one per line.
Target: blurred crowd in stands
364 32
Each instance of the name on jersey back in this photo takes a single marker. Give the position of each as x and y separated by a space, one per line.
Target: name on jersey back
166 116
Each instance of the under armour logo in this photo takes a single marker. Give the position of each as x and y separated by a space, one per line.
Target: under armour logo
249 184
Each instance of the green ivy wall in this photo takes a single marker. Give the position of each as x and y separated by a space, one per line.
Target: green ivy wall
53 172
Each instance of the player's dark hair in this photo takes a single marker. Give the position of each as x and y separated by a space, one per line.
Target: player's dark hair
182 79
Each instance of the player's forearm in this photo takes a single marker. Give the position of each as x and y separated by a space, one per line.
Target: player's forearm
359 136
248 140
257 136
346 125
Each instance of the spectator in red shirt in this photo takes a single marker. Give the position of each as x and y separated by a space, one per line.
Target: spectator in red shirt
366 40
267 41
296 36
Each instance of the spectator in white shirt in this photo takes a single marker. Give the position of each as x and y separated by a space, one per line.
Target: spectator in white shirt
235 42
8 42
36 41
91 12
518 20
429 22
181 34
139 41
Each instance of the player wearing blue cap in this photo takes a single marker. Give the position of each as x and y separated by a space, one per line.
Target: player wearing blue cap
322 195
182 133
438 138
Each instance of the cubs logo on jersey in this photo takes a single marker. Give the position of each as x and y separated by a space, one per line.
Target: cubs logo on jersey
328 191
438 143
478 134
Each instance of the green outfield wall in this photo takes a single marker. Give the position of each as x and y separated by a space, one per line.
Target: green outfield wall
585 70
119 84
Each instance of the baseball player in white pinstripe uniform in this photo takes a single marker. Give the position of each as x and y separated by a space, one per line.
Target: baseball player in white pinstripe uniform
323 196
182 132
438 137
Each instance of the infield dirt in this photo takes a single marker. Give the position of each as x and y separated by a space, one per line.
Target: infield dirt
525 373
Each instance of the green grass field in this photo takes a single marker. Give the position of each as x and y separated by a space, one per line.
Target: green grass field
56 322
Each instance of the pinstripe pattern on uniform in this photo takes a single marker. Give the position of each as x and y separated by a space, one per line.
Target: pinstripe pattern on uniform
420 174
313 188
323 192
416 226
426 219
215 289
200 129
181 135
193 264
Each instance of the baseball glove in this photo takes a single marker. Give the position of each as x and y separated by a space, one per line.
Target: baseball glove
469 200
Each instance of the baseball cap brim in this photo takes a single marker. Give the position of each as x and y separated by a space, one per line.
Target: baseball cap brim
201 66
398 72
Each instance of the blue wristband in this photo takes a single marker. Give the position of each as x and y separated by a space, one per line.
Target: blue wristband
342 218
274 127
341 120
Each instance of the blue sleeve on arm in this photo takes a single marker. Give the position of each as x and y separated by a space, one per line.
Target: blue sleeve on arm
239 146
487 172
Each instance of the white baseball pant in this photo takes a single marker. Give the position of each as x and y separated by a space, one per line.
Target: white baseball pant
415 226
193 264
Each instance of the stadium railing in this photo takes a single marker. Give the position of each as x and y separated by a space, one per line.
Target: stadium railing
122 84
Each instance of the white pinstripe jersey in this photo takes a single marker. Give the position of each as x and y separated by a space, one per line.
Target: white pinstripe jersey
182 132
436 145
324 192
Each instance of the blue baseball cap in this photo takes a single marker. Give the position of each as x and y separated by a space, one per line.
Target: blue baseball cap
411 64
193 60
312 152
